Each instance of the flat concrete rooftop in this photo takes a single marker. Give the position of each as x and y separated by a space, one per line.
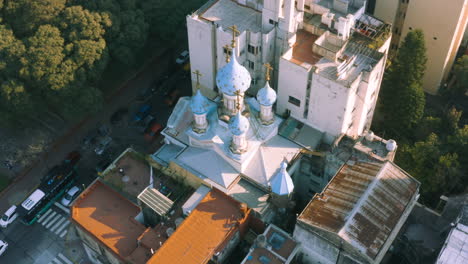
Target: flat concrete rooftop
227 13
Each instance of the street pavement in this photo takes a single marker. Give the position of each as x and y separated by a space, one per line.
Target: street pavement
46 241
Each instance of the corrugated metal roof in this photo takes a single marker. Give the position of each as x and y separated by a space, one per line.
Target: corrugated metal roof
362 204
155 200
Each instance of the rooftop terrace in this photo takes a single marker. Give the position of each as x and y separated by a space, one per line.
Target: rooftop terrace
132 165
302 49
109 218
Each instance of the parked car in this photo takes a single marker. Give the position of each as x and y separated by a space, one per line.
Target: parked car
172 97
153 131
73 157
3 246
183 57
9 216
103 130
70 195
102 145
90 138
118 115
146 93
142 112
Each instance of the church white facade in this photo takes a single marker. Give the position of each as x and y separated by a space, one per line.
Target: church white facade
328 57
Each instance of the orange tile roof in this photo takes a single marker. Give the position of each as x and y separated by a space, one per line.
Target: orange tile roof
109 218
204 232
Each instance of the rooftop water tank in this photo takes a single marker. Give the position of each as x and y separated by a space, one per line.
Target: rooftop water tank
391 145
370 136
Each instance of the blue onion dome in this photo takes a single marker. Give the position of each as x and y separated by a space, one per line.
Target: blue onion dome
239 124
266 96
199 103
233 76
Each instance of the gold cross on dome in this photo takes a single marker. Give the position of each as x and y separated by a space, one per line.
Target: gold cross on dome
235 32
239 95
198 74
227 49
268 68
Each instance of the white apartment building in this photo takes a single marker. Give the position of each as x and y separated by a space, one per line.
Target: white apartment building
328 56
443 23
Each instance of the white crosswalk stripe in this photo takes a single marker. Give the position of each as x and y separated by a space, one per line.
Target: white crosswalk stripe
63 233
44 215
52 229
62 227
65 258
49 217
61 259
57 217
55 222
66 210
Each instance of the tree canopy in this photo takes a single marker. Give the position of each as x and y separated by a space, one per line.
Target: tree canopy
402 95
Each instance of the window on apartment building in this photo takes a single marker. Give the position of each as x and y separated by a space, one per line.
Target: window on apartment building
435 38
307 7
241 53
254 82
410 28
294 101
251 64
252 49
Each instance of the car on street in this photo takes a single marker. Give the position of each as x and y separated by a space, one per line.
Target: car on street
118 115
3 246
153 131
8 217
90 138
70 195
104 142
73 157
172 97
183 57
142 112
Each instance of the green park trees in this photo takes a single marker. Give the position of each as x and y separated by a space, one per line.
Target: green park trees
433 142
53 53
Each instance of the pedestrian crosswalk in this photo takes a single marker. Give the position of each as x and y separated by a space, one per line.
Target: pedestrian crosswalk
60 259
55 222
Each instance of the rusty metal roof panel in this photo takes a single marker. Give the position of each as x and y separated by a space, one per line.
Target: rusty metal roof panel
362 204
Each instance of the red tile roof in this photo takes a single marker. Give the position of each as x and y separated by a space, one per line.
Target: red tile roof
205 231
109 218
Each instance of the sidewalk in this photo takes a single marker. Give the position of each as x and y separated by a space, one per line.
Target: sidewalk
71 139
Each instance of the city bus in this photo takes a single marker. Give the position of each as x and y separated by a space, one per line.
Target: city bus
51 188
